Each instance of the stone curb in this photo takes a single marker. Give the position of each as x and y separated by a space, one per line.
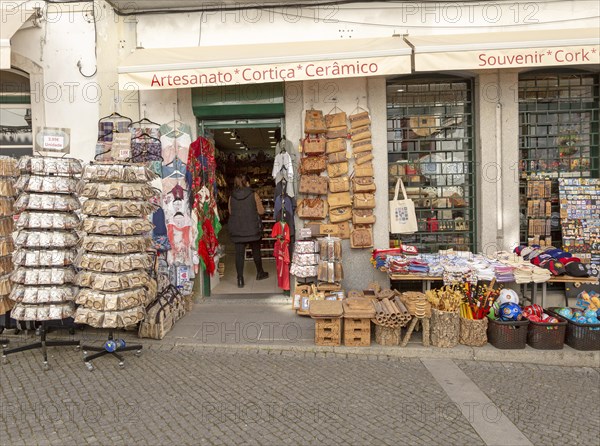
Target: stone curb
567 357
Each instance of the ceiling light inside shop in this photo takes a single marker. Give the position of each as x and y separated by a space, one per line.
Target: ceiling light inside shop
227 132
271 131
238 143
400 89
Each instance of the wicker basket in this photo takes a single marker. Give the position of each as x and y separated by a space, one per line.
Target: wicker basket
579 336
473 332
546 336
507 335
445 328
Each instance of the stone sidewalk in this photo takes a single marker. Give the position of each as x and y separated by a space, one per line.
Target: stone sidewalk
254 323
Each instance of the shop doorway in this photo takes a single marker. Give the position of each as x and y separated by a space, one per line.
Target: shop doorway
244 147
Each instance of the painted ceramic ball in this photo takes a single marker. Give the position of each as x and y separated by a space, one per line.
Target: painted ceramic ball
589 313
593 320
494 311
534 318
598 313
506 296
581 320
566 312
577 314
510 311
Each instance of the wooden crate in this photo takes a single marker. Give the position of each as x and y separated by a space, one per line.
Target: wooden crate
328 331
357 332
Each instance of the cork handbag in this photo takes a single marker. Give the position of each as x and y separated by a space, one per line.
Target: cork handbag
360 133
313 185
344 230
340 215
339 184
312 209
313 164
359 119
337 132
361 237
364 170
314 122
337 157
363 217
362 146
339 200
363 157
336 145
314 146
335 119
363 184
364 201
337 170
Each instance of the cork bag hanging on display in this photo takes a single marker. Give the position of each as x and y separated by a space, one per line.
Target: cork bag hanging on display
313 185
314 146
335 118
336 124
337 157
339 184
337 170
314 122
312 209
361 237
359 118
313 164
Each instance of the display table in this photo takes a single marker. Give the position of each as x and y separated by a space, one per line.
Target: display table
426 280
564 279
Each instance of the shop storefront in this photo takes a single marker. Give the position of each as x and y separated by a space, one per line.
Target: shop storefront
465 120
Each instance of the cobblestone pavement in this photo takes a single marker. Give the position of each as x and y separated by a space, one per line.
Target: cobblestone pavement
551 405
226 396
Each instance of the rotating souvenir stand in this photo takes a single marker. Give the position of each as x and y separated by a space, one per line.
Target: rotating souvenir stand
46 246
8 171
115 286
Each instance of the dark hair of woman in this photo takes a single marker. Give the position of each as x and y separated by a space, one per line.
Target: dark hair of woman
241 181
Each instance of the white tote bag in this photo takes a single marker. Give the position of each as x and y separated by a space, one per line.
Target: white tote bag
403 218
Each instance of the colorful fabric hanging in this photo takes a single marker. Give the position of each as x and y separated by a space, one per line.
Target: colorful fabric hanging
281 252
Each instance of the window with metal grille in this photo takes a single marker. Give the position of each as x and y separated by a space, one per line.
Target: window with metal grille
16 138
430 146
558 119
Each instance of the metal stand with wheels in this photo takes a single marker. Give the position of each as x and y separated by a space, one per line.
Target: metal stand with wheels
110 347
42 344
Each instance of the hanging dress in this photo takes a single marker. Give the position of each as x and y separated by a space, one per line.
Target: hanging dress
281 252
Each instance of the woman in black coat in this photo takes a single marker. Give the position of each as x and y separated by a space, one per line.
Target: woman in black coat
245 226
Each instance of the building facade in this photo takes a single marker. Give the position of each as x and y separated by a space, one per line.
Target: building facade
467 99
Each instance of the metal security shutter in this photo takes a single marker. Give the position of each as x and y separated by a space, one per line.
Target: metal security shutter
559 120
430 145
